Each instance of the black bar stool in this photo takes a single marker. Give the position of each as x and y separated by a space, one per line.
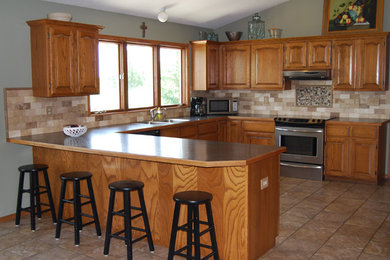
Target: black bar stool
126 186
35 193
75 178
193 199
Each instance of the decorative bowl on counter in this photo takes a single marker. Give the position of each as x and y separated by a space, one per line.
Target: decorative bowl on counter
75 130
60 16
233 36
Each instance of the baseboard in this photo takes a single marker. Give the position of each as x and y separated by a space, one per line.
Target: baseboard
12 217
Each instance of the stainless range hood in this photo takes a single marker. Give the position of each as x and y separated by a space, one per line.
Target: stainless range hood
307 74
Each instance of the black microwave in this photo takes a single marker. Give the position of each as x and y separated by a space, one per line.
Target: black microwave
222 106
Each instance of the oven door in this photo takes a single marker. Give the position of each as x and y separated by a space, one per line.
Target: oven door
304 145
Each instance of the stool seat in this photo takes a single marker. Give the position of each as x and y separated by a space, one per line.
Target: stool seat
69 176
33 167
193 197
126 185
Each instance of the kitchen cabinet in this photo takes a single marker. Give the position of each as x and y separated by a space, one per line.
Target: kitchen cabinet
222 130
360 64
355 151
310 54
208 131
258 132
64 58
235 66
234 134
205 65
185 131
267 66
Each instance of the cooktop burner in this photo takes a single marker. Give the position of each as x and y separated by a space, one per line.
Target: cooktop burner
300 122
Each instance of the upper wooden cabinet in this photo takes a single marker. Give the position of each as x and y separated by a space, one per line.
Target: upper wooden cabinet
312 54
64 58
235 66
205 65
360 64
267 66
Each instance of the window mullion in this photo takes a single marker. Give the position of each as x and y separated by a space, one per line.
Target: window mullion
156 76
124 82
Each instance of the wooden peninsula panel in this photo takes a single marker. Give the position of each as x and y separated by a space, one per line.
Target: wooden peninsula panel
246 217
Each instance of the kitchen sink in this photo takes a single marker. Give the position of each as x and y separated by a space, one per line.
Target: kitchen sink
167 121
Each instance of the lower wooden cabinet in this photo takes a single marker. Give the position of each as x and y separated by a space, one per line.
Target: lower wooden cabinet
234 131
258 132
208 131
355 151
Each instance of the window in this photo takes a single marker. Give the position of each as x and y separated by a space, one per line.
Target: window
139 74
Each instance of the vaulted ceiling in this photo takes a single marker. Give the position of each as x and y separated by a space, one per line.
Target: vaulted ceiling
210 14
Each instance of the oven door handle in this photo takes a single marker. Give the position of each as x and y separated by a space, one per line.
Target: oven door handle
311 130
299 165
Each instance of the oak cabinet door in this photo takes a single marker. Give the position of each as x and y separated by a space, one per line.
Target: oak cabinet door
371 64
62 60
363 159
235 66
170 132
336 156
343 64
267 60
88 67
295 55
234 131
212 66
319 54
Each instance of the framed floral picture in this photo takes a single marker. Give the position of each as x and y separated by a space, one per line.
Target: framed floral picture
352 16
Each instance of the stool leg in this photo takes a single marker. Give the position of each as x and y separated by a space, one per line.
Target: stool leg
60 209
109 222
127 220
172 242
20 196
94 210
53 212
146 221
196 232
190 230
77 213
37 194
213 237
32 201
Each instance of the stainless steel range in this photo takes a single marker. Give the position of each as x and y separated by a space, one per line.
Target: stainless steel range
304 140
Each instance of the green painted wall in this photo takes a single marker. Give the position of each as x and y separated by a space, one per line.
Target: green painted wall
15 70
295 17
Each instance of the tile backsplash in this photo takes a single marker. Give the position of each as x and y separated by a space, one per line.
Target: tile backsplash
26 114
315 99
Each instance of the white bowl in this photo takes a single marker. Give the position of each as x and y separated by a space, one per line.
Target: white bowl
60 16
74 131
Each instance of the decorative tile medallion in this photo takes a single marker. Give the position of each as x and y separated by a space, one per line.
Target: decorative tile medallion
314 96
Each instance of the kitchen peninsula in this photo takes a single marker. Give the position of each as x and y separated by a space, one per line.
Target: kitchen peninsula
243 178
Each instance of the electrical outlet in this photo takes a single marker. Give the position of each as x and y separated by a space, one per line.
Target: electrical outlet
264 183
49 110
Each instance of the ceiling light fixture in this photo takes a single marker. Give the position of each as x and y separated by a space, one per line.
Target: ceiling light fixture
162 15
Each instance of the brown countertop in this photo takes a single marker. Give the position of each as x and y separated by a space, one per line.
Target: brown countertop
109 141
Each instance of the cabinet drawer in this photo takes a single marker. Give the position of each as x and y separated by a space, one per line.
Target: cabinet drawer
206 128
188 131
337 130
258 126
364 131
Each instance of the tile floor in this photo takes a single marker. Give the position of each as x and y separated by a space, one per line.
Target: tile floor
319 220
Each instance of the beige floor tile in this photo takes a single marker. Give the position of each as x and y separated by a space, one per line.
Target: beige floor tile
351 236
368 218
54 253
372 257
336 252
379 248
344 206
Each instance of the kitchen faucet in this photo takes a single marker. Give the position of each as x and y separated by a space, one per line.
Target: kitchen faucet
157 114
